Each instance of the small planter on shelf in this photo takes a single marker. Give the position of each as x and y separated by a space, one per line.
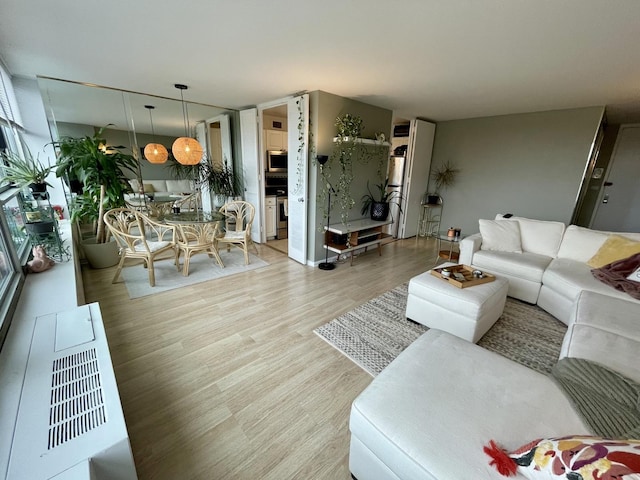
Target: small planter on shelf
40 228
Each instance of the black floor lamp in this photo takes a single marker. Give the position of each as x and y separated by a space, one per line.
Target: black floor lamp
322 159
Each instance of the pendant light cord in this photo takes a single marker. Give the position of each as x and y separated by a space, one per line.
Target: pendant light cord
185 115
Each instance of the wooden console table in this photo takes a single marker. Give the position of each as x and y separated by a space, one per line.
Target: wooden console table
356 234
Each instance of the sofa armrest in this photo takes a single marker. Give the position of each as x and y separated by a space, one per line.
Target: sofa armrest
468 246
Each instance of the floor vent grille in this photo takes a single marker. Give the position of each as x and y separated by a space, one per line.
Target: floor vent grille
77 399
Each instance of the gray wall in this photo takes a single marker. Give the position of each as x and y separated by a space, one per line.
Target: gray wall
530 164
324 109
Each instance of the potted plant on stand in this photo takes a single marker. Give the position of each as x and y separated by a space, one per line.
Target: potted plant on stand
101 170
26 171
443 176
378 203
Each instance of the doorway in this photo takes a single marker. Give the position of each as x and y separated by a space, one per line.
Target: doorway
275 141
619 200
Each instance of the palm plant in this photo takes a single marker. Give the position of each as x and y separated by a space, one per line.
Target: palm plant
101 169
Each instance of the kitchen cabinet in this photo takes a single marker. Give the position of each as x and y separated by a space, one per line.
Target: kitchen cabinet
270 213
276 139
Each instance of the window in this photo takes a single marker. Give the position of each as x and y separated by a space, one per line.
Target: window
14 244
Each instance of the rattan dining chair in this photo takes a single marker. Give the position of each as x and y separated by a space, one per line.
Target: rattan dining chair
140 237
238 220
197 238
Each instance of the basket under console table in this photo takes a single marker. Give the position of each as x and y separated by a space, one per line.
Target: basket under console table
357 234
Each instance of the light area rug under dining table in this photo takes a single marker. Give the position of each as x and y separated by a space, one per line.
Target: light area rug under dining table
201 269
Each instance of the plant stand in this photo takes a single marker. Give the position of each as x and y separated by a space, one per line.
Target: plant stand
41 225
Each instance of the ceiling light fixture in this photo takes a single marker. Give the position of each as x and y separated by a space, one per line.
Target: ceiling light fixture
186 150
154 152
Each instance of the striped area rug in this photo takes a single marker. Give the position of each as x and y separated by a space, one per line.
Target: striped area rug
374 333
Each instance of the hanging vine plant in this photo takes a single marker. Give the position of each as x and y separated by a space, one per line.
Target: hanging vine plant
301 145
347 149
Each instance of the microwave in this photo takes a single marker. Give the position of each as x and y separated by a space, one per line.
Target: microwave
277 161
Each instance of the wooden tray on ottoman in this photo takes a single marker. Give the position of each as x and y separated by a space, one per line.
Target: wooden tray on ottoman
465 270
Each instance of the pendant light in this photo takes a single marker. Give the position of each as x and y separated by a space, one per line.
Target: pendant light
186 150
154 152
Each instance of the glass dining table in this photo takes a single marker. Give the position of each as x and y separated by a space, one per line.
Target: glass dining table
197 232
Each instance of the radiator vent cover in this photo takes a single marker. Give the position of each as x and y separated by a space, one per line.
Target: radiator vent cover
77 398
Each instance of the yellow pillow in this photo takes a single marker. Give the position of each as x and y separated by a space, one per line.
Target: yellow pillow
148 188
614 248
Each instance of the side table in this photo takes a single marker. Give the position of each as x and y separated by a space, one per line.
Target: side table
448 254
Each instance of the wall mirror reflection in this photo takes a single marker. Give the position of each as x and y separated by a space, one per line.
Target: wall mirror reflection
75 109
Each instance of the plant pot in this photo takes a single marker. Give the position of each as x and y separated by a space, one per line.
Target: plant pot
433 199
40 228
100 255
76 186
379 210
33 216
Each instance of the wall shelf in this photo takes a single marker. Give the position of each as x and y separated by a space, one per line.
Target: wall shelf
362 141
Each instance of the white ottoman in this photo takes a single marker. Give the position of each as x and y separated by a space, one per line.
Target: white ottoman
465 312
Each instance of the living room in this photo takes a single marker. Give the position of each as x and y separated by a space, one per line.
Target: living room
227 381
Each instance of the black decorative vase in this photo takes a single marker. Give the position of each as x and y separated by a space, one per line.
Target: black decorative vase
379 210
433 199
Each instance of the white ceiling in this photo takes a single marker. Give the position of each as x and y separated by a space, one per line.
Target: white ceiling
435 59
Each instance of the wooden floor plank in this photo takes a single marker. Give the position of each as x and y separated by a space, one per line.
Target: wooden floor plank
226 379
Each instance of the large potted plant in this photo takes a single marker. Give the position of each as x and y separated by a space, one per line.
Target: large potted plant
378 203
100 168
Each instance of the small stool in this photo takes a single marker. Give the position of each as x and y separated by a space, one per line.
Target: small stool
465 312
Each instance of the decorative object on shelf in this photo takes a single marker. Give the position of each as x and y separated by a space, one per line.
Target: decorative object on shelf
349 126
378 204
347 148
154 152
444 176
25 171
101 169
186 150
322 160
40 261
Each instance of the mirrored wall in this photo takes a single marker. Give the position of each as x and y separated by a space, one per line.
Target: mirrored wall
76 109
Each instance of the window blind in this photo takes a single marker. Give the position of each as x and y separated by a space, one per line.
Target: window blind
8 105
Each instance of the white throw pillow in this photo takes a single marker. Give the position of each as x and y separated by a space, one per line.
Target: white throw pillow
539 236
500 236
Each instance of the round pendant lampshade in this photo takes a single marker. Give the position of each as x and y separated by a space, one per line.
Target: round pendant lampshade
156 153
187 151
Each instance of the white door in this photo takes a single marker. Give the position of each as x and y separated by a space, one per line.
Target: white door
251 170
201 137
298 120
619 203
417 175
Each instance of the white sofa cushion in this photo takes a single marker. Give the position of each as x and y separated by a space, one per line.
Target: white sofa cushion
528 266
581 243
605 330
179 186
431 411
501 236
569 277
539 236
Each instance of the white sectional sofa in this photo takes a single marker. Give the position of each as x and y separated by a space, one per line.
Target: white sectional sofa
429 414
163 187
551 270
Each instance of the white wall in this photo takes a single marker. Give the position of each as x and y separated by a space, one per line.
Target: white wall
530 164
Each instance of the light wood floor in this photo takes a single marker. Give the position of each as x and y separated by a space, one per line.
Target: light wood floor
226 379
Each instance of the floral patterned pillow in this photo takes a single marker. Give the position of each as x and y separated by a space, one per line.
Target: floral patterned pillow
570 458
